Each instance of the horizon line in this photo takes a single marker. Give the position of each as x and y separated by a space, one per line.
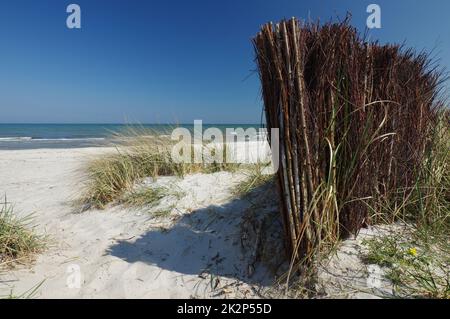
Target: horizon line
107 123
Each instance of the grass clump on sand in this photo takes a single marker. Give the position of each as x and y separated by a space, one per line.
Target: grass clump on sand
109 176
255 178
416 267
145 196
142 154
17 241
418 260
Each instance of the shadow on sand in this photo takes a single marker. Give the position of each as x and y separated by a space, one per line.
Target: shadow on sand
216 240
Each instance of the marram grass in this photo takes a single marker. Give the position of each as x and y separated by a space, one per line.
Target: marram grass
144 153
356 120
18 242
418 261
144 196
255 177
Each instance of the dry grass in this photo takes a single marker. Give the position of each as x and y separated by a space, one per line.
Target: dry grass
144 153
18 242
418 262
144 196
255 177
356 120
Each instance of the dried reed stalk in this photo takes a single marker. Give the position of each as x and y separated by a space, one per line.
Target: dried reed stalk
354 121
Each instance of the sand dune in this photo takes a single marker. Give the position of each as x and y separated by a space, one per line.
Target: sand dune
122 252
204 247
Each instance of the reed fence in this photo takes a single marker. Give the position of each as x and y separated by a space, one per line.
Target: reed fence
354 121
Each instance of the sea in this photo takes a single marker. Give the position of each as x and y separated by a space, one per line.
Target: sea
35 136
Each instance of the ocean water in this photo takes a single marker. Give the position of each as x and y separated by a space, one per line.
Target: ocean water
35 136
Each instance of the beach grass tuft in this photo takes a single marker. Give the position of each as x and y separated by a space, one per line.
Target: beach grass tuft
142 153
18 242
418 261
255 177
145 196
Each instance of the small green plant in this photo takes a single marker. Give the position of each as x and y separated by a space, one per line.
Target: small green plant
17 241
386 251
415 269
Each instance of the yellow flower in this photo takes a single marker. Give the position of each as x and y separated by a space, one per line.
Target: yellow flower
413 251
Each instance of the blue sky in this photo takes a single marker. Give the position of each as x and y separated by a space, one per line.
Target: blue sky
167 61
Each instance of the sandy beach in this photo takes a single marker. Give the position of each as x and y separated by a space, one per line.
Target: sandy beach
121 252
218 150
204 247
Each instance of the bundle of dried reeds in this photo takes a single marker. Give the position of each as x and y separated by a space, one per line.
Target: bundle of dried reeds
353 118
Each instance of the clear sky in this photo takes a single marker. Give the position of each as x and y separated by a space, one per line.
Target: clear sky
167 61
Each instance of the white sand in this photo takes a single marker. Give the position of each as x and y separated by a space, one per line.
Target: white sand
345 275
205 248
121 252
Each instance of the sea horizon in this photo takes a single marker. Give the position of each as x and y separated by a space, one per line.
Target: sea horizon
17 136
